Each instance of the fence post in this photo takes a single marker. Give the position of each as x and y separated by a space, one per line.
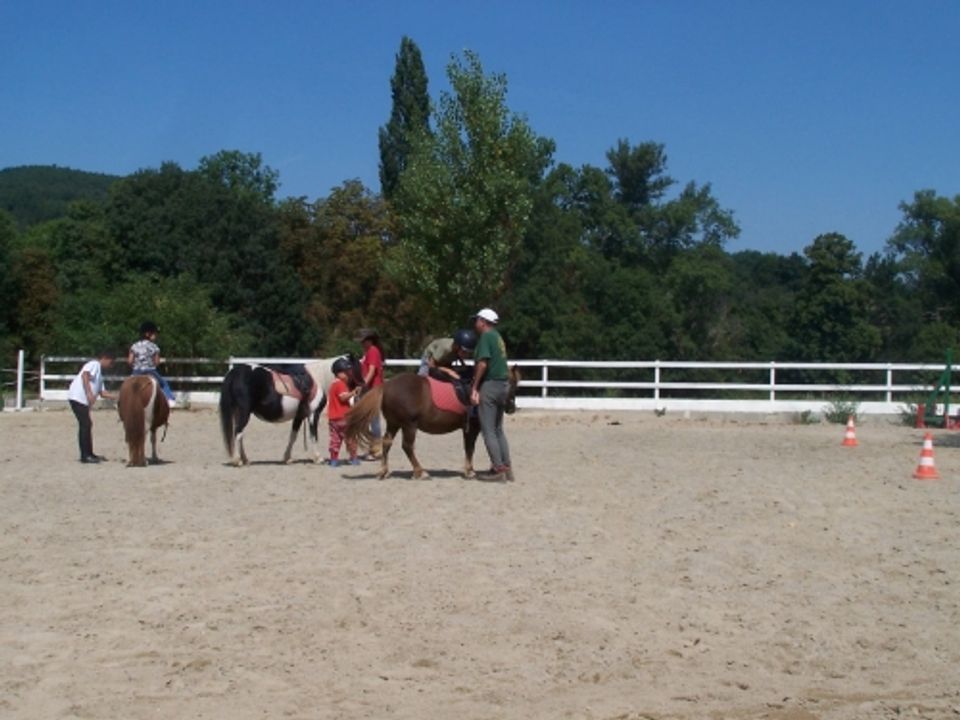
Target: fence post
773 381
656 380
20 380
544 378
889 383
43 377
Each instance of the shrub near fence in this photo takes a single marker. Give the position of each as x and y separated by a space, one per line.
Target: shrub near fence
881 388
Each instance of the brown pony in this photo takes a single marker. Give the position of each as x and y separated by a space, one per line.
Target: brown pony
142 407
407 406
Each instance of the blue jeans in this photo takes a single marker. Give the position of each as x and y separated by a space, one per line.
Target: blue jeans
164 385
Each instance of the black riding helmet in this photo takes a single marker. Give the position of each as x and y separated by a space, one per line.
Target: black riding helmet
467 339
341 365
148 326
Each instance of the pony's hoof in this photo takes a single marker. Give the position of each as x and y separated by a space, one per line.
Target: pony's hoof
287 461
383 475
470 475
422 475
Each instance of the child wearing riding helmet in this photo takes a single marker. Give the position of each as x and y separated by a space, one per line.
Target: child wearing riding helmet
144 356
339 398
443 353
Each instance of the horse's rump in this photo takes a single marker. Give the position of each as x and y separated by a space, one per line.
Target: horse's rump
142 408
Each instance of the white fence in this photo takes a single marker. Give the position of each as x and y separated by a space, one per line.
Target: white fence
753 387
18 377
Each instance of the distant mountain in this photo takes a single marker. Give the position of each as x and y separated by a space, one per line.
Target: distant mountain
36 193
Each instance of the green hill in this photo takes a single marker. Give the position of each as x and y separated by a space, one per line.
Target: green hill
36 193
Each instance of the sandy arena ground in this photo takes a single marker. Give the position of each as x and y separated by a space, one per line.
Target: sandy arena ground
640 567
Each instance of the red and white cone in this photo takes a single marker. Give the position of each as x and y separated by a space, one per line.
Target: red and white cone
926 469
850 436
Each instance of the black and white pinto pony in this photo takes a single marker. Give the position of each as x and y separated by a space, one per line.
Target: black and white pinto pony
275 395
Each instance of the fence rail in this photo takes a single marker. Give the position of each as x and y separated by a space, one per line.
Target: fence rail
760 387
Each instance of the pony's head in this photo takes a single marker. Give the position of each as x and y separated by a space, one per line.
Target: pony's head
515 377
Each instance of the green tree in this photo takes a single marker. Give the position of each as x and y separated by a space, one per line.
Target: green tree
766 287
926 248
464 202
35 279
693 217
84 253
701 282
241 172
545 310
831 318
339 246
219 225
8 289
409 116
190 325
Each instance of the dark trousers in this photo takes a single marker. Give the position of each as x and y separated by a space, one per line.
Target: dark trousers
85 435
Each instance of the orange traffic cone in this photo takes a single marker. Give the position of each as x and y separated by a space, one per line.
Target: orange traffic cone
926 470
850 436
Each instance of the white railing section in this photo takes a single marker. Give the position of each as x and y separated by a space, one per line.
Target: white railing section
19 374
760 387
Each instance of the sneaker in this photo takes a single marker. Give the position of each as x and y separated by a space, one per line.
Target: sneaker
334 462
498 474
355 461
100 458
90 460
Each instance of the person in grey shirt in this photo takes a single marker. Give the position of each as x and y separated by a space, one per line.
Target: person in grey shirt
443 353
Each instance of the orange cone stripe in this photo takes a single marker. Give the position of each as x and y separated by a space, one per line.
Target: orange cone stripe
926 470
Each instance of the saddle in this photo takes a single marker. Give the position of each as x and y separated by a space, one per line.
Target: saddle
449 395
298 385
461 386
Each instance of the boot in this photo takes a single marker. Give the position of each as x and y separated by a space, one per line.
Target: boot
375 450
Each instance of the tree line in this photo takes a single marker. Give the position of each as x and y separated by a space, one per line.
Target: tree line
615 262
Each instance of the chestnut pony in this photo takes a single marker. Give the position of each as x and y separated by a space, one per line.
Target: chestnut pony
143 408
407 406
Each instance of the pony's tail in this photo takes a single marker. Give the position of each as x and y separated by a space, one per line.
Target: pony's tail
227 414
133 414
362 414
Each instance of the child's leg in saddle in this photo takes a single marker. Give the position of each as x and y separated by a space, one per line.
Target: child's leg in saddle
164 385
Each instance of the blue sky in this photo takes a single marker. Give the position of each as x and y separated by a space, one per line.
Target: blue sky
806 117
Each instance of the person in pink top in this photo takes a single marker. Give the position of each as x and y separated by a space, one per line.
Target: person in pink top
371 366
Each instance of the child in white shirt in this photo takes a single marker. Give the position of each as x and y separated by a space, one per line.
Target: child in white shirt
84 390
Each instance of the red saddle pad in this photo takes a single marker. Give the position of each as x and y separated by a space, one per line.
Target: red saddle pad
445 397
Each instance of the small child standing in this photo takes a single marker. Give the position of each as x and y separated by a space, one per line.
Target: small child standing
337 408
144 356
84 390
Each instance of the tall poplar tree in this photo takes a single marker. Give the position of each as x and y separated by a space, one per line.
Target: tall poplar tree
409 116
464 203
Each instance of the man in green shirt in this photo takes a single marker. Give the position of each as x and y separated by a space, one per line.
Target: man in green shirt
491 389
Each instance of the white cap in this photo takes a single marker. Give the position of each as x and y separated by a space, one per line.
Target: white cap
489 315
